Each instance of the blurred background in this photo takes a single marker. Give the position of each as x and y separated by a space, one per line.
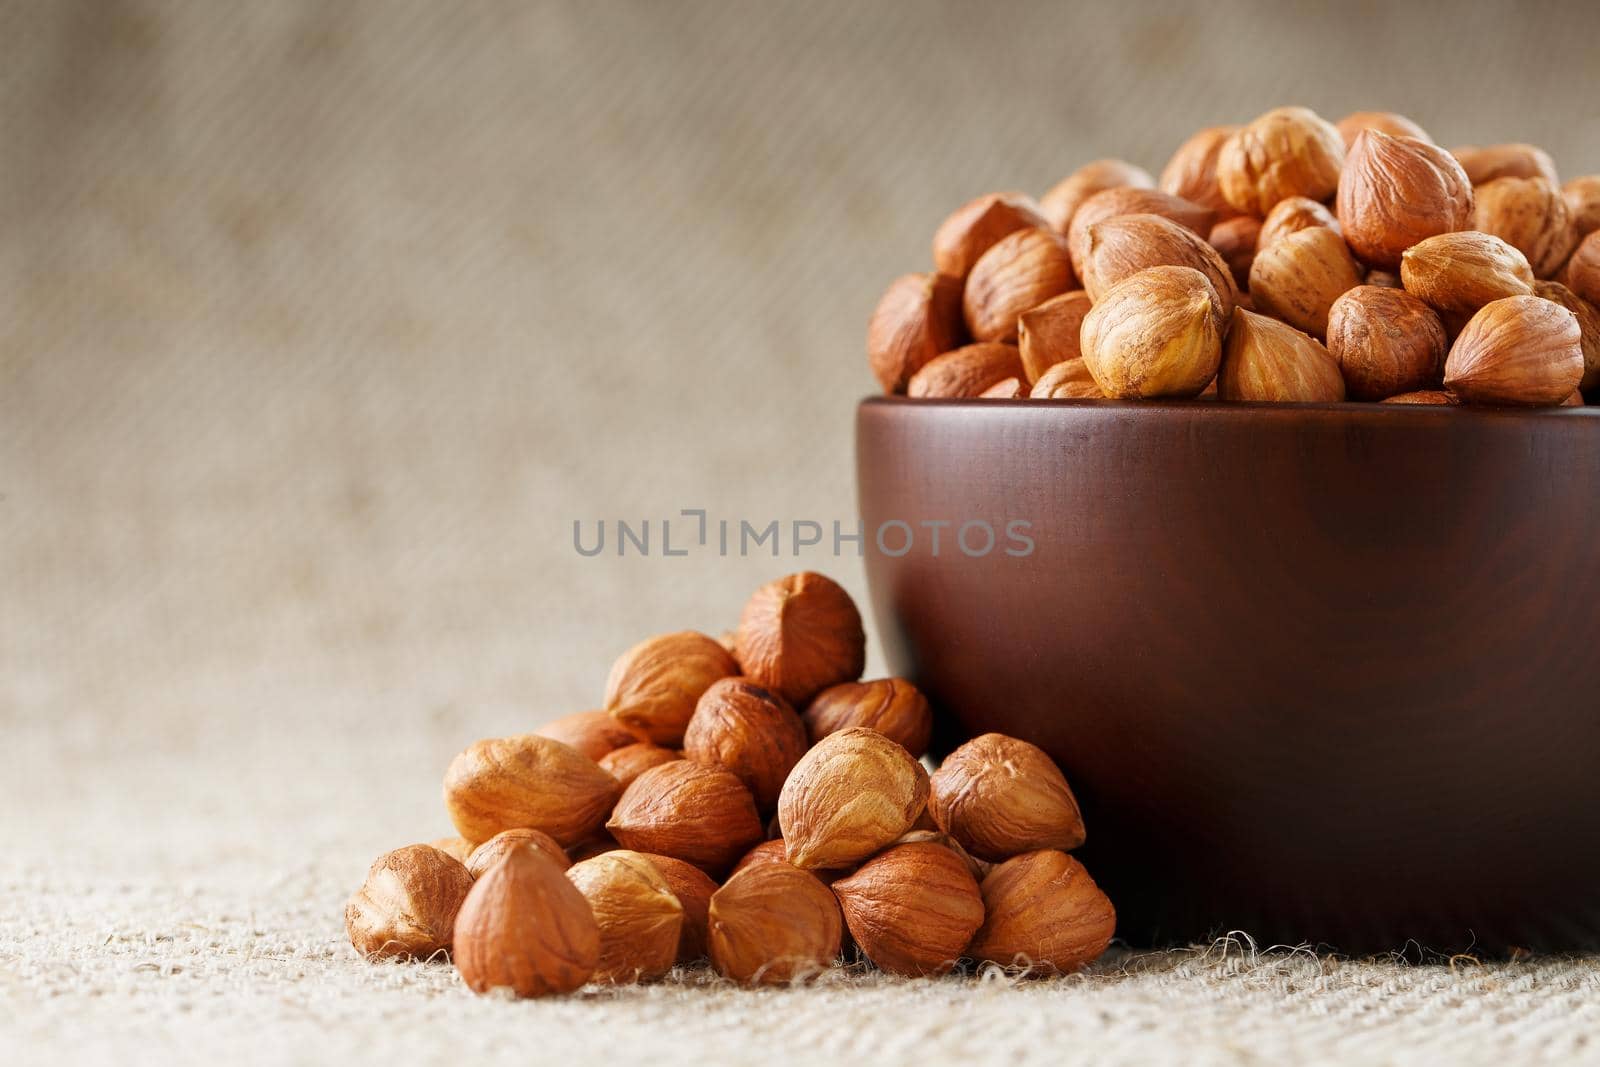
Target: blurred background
321 323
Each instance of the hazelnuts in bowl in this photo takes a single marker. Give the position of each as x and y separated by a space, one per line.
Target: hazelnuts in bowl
1284 216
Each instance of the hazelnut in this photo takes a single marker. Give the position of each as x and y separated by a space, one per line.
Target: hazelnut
999 796
975 227
628 762
1583 204
1573 401
1021 270
1154 334
639 916
918 318
1289 151
1064 199
1123 246
750 732
1236 241
594 733
1383 279
1004 389
701 815
459 847
494 850
1382 121
1270 361
693 888
912 909
527 780
1430 397
932 835
1298 278
408 904
772 924
1397 191
1291 215
969 371
1117 202
892 706
1484 164
1588 326
1048 334
1191 173
799 635
1386 341
1458 273
1068 380
596 844
1042 911
853 793
526 928
1582 272
773 851
653 687
1522 350
1529 215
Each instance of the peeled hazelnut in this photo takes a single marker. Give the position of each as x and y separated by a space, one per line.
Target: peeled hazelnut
1460 272
853 793
1529 215
1289 151
1004 389
530 781
800 634
1043 911
653 686
1397 191
628 762
912 909
1063 200
1121 247
750 732
892 706
1068 380
1430 397
1269 361
693 888
999 796
1582 272
1021 271
594 733
1154 334
974 228
1298 278
1114 203
918 318
408 904
1484 164
1583 204
639 916
1048 334
1191 173
494 850
1522 350
772 924
1236 240
458 847
967 372
701 815
1291 215
526 928
1386 341
1588 326
1382 121
931 834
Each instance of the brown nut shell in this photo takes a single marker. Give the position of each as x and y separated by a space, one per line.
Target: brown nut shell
1386 342
912 909
999 796
1156 333
1520 350
458 847
1236 241
800 634
918 318
1530 215
653 687
594 733
1289 151
975 227
1583 204
1191 173
1114 203
1268 361
1582 272
1021 271
892 706
1298 278
1458 273
750 731
1383 121
1005 389
701 815
1291 215
1061 203
1397 191
1588 326
1121 247
1485 163
639 916
969 371
1068 380
527 781
494 850
526 928
772 924
1043 912
1425 397
852 794
1048 334
407 906
628 762
693 888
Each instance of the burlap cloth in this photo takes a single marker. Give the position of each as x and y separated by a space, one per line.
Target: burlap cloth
320 323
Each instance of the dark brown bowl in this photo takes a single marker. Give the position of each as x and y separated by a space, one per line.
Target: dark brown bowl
1322 674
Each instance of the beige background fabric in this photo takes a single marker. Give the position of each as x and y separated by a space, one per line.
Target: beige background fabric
321 323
